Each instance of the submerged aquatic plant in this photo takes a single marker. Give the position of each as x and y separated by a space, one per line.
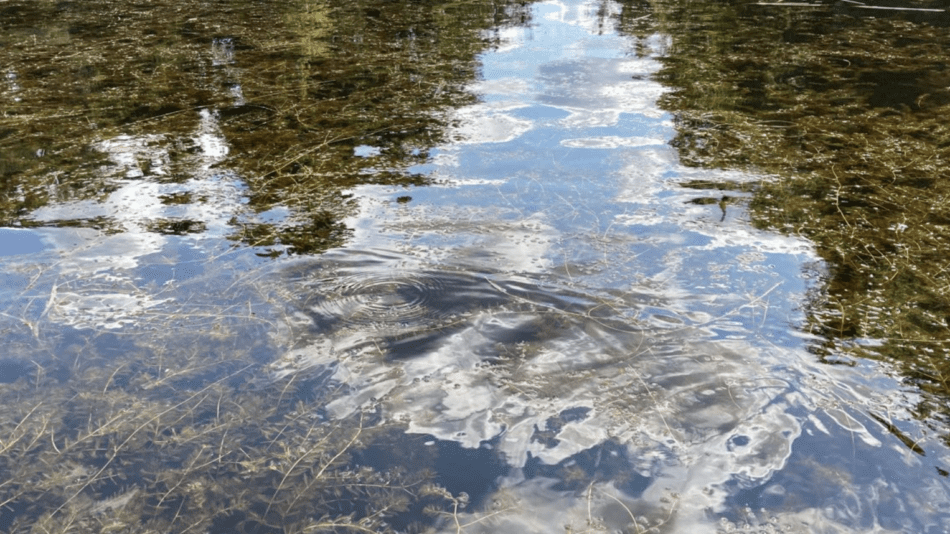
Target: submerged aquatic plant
181 91
167 424
843 108
121 449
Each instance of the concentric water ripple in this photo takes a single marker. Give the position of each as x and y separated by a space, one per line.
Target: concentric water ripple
391 305
381 300
388 300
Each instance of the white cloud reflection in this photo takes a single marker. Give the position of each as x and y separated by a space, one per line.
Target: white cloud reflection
563 299
136 204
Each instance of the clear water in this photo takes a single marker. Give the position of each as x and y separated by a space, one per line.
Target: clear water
586 342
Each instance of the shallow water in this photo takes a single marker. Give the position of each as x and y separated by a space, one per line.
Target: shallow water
539 302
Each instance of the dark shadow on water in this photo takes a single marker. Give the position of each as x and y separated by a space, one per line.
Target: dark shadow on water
609 461
11 371
472 471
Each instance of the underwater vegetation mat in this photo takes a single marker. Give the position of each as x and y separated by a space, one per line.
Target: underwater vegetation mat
169 427
129 448
844 109
289 106
161 414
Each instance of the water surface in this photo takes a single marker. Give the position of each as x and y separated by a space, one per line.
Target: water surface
444 268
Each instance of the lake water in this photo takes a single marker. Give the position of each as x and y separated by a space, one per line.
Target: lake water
438 268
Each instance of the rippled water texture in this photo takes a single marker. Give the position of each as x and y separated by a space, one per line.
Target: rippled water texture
559 299
588 340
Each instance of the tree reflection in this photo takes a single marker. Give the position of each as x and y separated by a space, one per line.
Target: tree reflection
844 106
291 88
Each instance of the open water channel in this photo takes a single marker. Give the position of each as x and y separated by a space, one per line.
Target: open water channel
464 267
